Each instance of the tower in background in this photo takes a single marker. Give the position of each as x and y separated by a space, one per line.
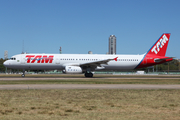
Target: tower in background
60 50
112 44
5 54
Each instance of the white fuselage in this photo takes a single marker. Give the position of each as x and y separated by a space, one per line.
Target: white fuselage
59 61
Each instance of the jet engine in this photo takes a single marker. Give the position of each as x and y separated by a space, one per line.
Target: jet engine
72 70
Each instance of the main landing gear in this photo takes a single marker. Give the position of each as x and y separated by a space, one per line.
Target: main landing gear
88 74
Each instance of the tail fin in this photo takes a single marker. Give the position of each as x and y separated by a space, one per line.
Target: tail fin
160 47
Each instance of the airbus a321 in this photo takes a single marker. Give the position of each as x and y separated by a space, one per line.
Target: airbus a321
87 63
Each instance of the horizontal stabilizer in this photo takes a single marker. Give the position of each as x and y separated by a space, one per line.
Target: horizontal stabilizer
161 59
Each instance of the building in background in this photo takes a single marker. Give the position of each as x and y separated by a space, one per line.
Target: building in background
5 54
112 44
60 50
90 52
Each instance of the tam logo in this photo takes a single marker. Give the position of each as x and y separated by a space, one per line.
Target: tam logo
159 44
39 58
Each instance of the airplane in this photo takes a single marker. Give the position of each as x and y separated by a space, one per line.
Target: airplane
87 63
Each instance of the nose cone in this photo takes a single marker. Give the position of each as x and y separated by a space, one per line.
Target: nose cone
6 63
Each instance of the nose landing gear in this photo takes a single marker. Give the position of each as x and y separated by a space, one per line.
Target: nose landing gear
23 75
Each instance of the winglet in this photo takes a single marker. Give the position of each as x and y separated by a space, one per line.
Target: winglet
115 58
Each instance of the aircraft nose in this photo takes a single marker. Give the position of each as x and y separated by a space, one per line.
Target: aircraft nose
6 63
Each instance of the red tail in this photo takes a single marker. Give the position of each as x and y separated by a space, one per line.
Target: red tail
156 54
160 47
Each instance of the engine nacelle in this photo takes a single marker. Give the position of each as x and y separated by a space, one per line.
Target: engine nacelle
72 70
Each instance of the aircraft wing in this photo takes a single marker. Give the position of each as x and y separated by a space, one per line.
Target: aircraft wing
95 64
161 59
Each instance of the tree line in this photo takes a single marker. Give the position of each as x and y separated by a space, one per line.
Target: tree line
2 68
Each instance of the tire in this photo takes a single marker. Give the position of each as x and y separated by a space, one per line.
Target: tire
88 75
23 75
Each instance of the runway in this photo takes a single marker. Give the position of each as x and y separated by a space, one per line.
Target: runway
87 86
81 78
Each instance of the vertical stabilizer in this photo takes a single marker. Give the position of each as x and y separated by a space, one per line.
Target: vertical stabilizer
160 47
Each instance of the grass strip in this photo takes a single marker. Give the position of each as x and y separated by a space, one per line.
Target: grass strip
93 81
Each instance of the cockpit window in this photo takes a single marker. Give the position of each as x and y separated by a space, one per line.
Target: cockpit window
12 58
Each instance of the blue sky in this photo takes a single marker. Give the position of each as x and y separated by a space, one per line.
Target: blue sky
79 26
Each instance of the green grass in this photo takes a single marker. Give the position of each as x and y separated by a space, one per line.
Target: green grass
90 104
93 81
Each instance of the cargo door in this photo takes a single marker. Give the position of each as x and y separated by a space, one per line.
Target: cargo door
145 61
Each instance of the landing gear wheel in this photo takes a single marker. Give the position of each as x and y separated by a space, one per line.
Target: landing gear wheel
23 75
88 75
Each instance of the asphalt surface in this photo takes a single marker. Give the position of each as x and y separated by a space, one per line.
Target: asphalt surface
63 78
87 86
